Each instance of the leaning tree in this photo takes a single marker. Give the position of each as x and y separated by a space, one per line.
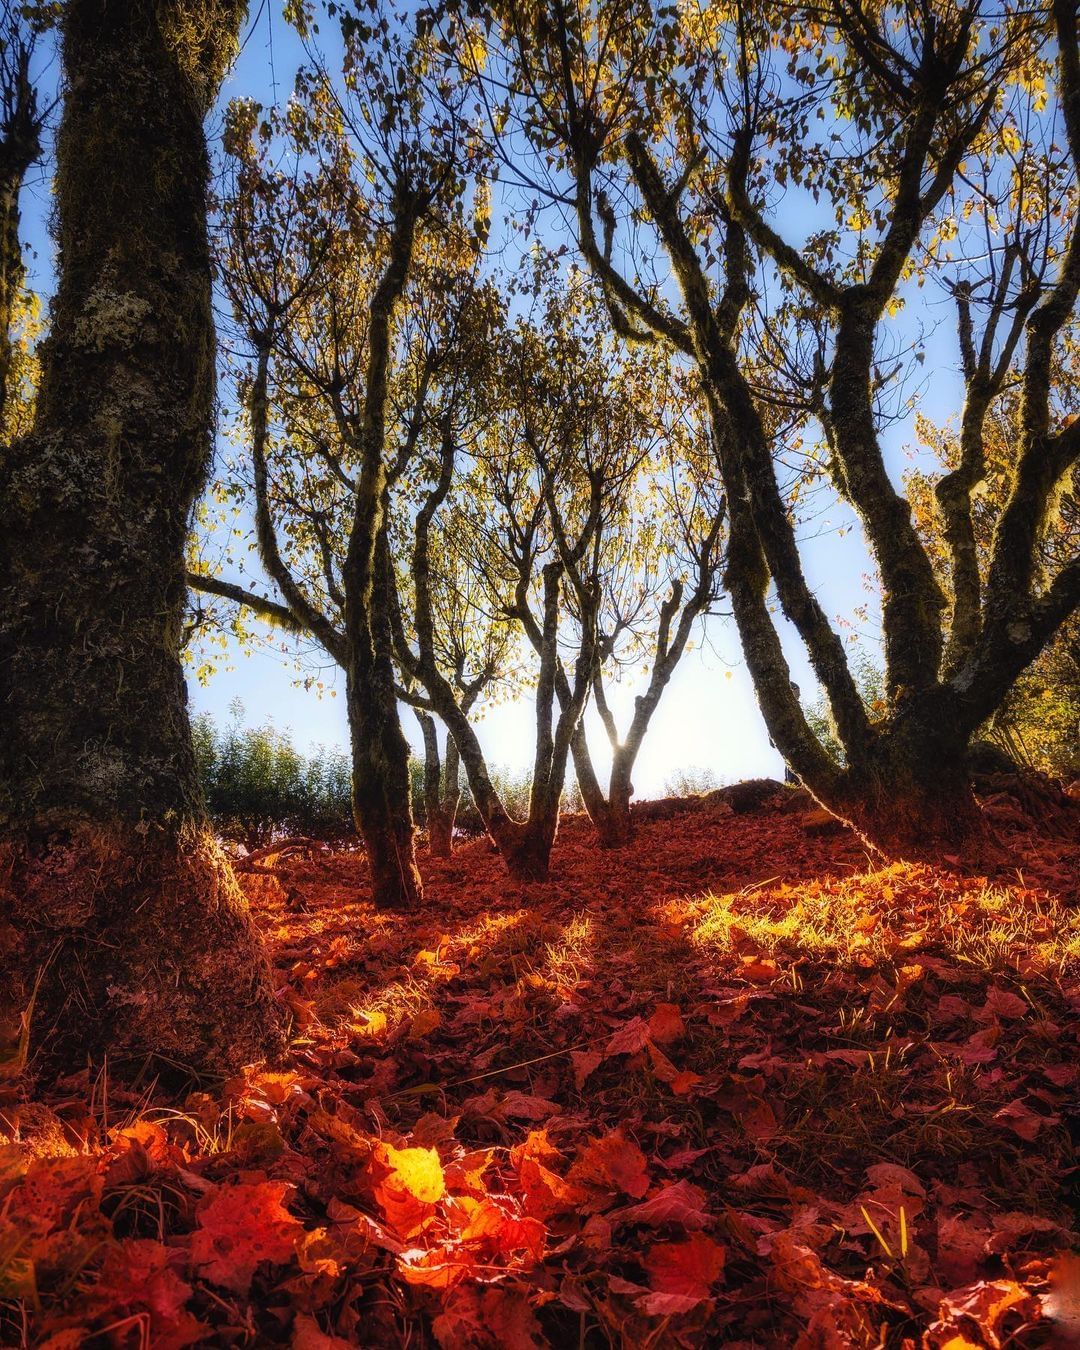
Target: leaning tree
351 266
796 170
121 926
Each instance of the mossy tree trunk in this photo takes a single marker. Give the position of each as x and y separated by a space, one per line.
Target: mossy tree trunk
115 901
947 666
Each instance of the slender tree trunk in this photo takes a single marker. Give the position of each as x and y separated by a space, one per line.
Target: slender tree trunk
620 790
382 791
592 794
441 793
116 904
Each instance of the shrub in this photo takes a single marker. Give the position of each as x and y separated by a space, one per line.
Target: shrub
258 786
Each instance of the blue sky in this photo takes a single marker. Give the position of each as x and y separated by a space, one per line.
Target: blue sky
708 720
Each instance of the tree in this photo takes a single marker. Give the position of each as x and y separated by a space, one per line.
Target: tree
472 645
1038 723
336 270
485 489
674 135
120 922
641 453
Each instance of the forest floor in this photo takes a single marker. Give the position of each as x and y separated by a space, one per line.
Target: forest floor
735 1085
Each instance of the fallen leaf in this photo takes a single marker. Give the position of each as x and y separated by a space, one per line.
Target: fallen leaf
240 1226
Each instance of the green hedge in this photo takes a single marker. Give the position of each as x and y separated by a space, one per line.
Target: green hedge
259 787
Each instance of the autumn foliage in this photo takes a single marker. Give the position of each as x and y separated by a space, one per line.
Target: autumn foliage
734 1086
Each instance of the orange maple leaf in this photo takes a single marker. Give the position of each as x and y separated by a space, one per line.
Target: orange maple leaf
409 1182
240 1226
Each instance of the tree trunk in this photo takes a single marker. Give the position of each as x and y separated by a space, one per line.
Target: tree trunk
382 791
620 790
592 795
526 848
913 798
116 904
440 804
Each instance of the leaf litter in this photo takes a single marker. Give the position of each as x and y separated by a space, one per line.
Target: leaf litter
733 1085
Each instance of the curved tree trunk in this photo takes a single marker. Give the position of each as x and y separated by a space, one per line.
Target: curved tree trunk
381 787
116 904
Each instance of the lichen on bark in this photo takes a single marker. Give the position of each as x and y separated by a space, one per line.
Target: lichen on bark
115 903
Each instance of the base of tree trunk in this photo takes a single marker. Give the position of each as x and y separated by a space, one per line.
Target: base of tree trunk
614 830
138 946
526 853
440 837
920 822
395 878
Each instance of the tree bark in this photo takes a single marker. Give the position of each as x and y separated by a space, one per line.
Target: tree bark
913 797
441 791
382 798
116 904
381 788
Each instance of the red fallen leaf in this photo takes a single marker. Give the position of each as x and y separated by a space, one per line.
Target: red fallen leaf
961 1248
1014 1232
585 1062
493 1221
344 1216
679 1202
759 969
1021 1120
523 1106
1003 1004
612 1162
466 1174
409 1182
302 1009
886 1175
487 1319
629 1039
136 1277
424 1023
596 1234
439 1268
666 1025
53 1189
980 1048
241 1225
839 1310
136 1151
986 1304
308 1335
758 1119
545 1192
681 1081
256 1090
683 1273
